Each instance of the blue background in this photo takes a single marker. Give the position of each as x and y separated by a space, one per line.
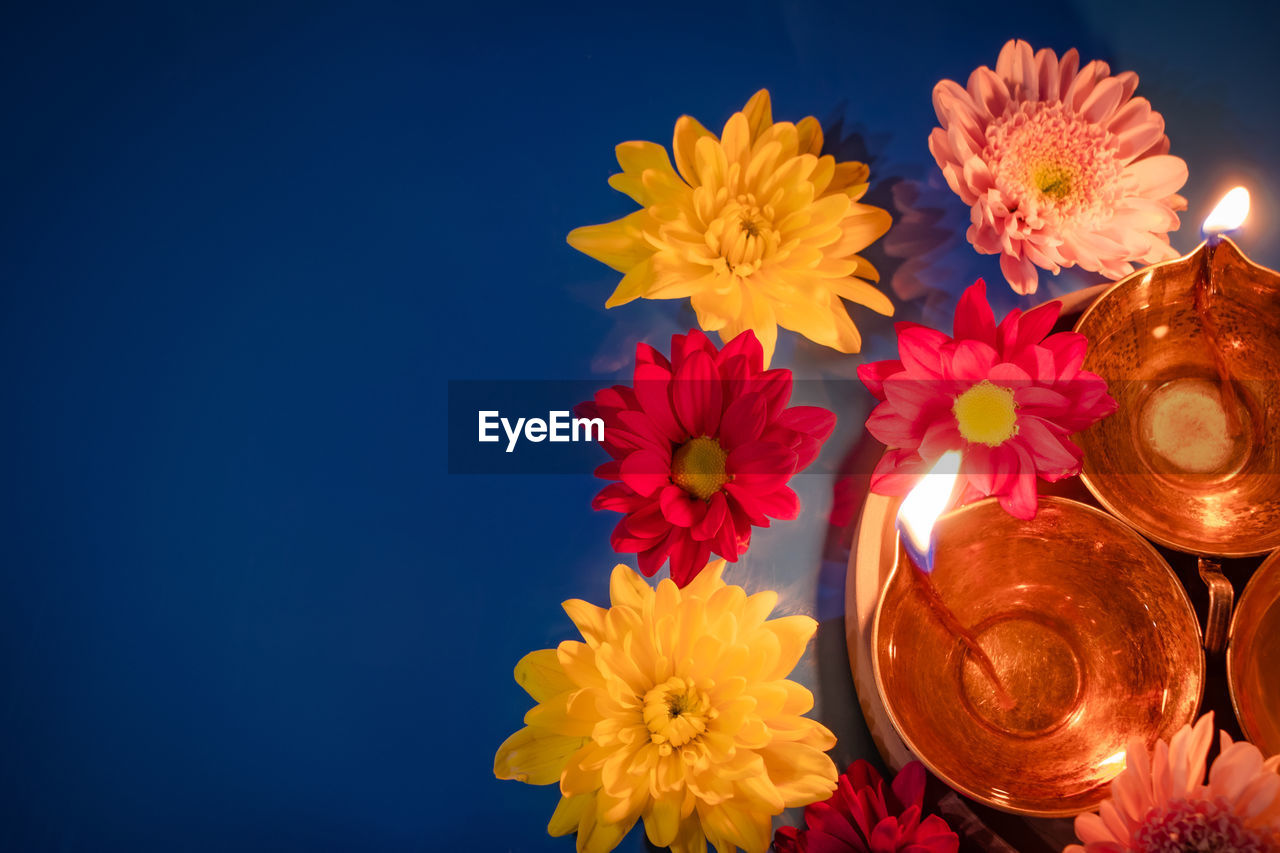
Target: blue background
243 248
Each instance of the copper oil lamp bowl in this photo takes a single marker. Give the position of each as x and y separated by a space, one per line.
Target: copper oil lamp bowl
1253 658
1190 460
1091 633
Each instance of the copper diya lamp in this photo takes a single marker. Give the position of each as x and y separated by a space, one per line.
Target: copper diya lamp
1190 350
1088 637
1253 658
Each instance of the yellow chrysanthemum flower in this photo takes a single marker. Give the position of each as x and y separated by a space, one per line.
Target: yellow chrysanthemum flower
677 709
757 229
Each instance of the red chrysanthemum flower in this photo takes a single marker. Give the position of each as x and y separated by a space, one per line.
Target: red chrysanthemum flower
703 446
865 816
1006 396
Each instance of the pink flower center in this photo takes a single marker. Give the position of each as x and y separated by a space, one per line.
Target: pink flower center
1048 160
698 467
1200 825
986 414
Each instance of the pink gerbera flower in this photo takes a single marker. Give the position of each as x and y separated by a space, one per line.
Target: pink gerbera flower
865 816
1061 165
1160 802
703 446
1006 396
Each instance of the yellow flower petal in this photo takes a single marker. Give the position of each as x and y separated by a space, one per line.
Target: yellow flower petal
856 290
759 113
684 142
535 756
662 819
542 676
802 774
627 588
794 634
569 813
728 825
633 285
587 618
809 132
620 244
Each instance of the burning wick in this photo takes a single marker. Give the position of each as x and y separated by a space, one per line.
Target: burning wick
1228 215
916 517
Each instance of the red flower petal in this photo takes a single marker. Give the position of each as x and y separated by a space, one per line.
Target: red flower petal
814 421
645 471
648 522
908 785
688 558
624 541
646 354
974 319
970 361
717 516
1049 449
1037 323
919 348
743 421
618 497
745 344
806 449
775 385
898 471
1008 375
976 468
874 374
679 508
1019 497
781 503
729 543
761 466
695 390
941 436
653 390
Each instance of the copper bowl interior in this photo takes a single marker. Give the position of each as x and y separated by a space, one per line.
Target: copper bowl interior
1253 658
1164 461
1088 627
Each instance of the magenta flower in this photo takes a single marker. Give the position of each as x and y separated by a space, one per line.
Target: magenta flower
1061 165
865 815
1006 396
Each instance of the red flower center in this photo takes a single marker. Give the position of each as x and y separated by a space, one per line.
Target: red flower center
698 467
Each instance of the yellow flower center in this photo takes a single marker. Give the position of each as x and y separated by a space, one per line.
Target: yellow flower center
676 712
1053 179
743 234
986 414
698 467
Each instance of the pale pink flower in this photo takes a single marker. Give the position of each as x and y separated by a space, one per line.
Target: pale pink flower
1061 165
1160 802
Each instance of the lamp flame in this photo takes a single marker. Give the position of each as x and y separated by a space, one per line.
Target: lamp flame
922 506
1229 214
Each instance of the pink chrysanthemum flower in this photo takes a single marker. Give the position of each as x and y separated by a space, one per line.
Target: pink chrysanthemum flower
1061 165
865 815
1160 803
1006 396
703 446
